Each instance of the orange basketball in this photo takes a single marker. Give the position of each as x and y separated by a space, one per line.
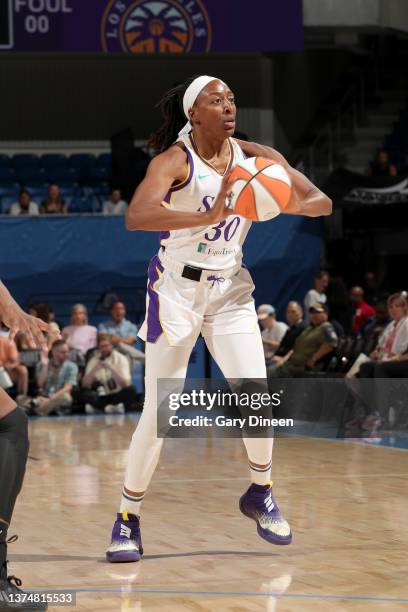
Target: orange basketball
261 189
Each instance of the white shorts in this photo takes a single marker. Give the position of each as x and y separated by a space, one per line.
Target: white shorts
219 303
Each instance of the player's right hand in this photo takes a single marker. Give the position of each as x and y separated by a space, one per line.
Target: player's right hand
219 210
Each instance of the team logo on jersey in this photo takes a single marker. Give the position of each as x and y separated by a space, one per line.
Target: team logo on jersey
155 26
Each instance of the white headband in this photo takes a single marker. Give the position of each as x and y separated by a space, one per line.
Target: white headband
190 96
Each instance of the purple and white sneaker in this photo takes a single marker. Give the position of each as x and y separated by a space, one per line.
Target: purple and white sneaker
126 545
258 504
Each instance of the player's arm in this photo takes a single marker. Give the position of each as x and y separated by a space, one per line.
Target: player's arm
306 198
146 210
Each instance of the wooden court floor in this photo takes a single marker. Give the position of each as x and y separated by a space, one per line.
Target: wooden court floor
347 504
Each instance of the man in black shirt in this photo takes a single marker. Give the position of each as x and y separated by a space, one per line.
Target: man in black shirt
294 318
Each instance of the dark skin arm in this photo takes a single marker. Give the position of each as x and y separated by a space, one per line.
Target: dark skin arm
306 198
146 211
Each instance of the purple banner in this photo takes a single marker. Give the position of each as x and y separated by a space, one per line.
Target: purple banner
151 26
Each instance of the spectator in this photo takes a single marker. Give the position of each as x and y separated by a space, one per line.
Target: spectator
317 294
107 380
56 377
79 335
382 166
374 328
316 342
53 204
294 317
362 312
122 332
24 206
9 360
392 348
115 205
394 339
272 332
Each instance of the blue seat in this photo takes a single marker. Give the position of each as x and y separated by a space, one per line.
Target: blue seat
80 205
28 174
105 160
54 160
6 202
6 173
96 203
26 159
33 185
98 174
79 160
9 188
60 174
69 187
5 161
37 195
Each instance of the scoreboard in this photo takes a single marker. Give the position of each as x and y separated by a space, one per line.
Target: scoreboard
150 26
6 24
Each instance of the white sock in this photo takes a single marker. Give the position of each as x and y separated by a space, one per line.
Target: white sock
131 503
260 476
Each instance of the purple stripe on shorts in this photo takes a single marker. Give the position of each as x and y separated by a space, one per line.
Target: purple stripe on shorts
154 328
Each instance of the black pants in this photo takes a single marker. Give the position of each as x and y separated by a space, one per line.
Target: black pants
127 396
385 369
13 457
375 395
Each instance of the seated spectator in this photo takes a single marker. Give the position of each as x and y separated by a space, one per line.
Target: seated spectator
53 204
56 377
79 335
394 339
317 294
272 332
9 360
382 166
373 329
317 341
294 317
122 332
115 205
362 312
106 384
392 348
24 206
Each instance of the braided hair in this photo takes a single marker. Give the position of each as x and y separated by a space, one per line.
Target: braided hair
171 108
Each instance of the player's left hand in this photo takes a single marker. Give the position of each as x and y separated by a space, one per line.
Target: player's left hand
33 328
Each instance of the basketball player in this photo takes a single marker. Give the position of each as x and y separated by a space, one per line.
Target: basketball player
199 284
14 448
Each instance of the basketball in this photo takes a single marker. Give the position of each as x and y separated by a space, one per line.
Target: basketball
261 189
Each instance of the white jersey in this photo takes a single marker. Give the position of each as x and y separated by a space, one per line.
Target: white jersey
212 247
